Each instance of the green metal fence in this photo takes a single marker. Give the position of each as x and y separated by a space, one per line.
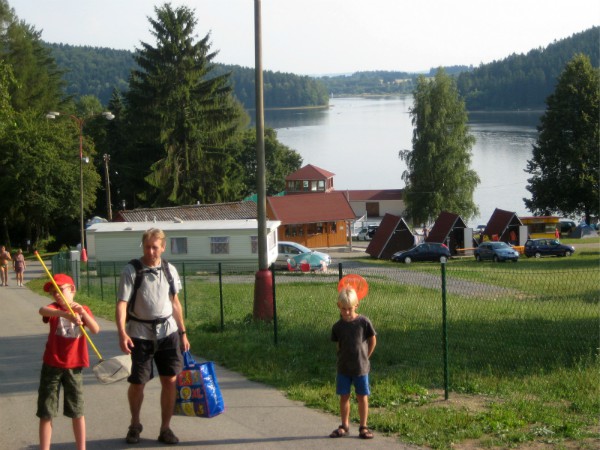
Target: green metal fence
488 318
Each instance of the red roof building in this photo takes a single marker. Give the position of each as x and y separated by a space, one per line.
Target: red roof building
451 230
393 235
309 179
313 220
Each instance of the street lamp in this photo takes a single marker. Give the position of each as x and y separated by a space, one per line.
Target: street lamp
80 121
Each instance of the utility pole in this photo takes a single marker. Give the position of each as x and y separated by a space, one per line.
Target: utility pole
263 285
106 178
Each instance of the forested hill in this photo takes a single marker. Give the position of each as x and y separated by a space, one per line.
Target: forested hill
98 71
379 82
516 82
525 81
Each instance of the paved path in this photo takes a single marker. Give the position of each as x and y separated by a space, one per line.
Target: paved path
257 416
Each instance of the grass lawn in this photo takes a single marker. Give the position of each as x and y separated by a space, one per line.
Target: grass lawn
524 366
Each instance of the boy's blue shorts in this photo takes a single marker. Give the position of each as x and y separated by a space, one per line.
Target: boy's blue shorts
343 384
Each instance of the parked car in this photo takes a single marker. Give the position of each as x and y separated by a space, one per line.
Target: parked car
496 251
567 225
309 262
547 247
366 234
423 252
372 230
288 249
363 235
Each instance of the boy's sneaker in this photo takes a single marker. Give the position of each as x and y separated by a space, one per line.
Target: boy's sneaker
133 434
168 437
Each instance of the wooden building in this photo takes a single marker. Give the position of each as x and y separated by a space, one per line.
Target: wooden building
393 235
505 226
451 230
314 220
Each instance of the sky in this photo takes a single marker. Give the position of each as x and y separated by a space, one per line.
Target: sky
317 37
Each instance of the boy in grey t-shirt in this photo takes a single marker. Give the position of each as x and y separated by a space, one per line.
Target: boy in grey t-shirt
356 340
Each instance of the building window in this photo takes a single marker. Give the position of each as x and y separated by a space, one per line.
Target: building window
179 246
293 230
305 185
271 243
321 185
219 245
254 244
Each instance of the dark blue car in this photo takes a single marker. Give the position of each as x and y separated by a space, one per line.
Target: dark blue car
547 247
423 252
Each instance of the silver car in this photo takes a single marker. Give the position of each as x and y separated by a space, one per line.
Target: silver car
363 235
288 249
496 251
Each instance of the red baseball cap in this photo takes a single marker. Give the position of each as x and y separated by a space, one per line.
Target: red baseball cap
60 279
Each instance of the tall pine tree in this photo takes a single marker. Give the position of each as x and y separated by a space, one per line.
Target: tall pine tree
183 114
565 164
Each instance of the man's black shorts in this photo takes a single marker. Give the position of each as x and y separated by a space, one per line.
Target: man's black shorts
165 353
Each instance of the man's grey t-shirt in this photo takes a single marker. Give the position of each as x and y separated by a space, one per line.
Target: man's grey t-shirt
152 301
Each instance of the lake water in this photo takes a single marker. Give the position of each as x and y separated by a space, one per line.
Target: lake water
358 139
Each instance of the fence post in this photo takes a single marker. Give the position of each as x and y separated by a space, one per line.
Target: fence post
87 277
115 280
74 268
99 275
445 330
275 339
221 297
184 291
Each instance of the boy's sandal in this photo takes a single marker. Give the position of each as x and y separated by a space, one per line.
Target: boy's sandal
133 434
365 433
341 431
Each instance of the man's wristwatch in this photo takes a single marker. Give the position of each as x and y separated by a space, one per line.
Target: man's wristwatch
181 333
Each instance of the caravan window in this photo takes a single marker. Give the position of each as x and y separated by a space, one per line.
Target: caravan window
179 246
219 245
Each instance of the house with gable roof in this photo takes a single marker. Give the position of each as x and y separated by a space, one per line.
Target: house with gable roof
309 179
450 229
314 214
314 220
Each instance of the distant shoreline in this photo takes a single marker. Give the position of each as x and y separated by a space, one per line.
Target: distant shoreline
291 108
539 110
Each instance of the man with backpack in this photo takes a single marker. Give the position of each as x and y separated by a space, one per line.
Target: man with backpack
151 329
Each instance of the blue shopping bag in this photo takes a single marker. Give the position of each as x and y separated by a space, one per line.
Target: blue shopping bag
198 392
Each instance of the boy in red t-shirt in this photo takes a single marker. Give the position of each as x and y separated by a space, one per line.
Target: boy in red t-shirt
65 356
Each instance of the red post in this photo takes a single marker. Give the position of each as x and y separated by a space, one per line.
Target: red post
263 296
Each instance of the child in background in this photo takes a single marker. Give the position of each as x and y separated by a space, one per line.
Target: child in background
355 337
65 355
19 266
